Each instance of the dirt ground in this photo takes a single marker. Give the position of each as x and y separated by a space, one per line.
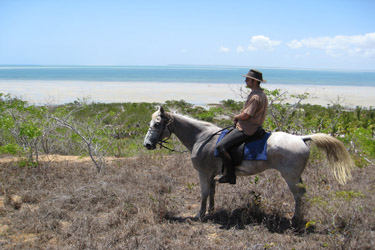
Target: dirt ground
148 202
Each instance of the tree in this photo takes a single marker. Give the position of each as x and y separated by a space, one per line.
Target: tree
24 123
93 134
282 115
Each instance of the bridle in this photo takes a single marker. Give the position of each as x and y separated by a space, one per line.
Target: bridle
167 125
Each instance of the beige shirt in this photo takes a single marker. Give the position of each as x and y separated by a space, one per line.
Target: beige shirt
256 107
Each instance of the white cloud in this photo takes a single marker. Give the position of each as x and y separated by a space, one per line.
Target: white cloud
360 45
224 50
262 43
240 49
295 44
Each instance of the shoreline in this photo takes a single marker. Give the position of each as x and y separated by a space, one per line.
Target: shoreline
60 92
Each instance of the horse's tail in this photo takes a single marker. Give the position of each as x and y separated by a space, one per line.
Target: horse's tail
337 155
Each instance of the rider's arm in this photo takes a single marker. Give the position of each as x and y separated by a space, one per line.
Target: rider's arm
242 117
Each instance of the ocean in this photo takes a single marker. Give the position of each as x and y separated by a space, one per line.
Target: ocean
184 74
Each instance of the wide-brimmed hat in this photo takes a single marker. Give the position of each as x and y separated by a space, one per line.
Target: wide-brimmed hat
256 75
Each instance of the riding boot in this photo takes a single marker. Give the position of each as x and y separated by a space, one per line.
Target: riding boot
229 171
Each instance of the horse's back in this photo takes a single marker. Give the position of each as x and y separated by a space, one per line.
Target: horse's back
283 143
287 153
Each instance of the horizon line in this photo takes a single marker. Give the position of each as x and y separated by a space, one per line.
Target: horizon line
184 65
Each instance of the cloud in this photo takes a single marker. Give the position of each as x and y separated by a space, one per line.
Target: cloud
295 44
240 49
224 50
359 45
262 43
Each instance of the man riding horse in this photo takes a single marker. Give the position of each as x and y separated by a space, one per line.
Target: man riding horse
286 153
247 123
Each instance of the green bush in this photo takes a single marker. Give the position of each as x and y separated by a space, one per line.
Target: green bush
119 128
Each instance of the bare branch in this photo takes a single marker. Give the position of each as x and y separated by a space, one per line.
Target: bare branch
99 164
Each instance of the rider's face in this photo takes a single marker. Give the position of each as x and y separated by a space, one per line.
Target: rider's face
250 82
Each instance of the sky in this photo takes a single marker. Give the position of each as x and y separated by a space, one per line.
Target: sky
318 34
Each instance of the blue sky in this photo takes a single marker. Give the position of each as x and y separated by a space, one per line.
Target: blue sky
327 34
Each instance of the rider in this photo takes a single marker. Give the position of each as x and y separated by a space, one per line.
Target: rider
246 123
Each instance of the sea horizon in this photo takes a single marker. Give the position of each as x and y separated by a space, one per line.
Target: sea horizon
214 74
197 84
182 65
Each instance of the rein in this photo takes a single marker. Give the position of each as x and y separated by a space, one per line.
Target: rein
165 141
217 132
161 141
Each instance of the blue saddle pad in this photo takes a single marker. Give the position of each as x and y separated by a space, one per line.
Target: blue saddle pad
253 150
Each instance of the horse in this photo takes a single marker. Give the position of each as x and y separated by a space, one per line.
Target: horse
286 153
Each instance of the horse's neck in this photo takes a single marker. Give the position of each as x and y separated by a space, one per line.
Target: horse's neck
188 130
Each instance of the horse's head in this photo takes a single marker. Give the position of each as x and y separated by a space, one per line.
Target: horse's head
159 129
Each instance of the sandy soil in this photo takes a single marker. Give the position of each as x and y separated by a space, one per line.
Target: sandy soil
6 159
57 92
148 203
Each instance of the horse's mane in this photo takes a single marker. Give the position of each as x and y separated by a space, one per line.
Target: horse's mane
193 120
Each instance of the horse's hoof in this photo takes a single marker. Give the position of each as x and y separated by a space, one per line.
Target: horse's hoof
198 217
195 218
298 222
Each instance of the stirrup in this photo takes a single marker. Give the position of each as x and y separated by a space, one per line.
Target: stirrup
227 179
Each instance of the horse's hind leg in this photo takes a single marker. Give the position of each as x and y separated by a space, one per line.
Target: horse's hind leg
298 190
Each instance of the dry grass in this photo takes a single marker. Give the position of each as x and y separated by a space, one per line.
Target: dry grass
147 203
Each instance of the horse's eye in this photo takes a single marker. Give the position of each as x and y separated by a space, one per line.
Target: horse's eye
157 124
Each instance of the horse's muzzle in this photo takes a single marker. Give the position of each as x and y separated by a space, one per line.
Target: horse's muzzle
149 146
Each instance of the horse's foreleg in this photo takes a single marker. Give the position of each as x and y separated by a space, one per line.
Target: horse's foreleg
212 195
204 181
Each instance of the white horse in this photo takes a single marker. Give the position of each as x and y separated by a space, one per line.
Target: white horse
286 153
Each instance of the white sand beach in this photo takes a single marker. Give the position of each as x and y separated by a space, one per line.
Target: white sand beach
58 92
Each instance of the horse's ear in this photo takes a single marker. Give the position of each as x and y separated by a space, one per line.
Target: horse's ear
161 110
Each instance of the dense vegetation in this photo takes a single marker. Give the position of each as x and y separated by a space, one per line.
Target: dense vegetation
117 129
146 202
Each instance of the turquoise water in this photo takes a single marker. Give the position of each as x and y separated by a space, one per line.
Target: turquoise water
193 74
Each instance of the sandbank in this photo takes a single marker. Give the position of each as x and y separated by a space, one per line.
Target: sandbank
59 92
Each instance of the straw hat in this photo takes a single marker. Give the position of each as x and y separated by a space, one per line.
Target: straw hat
256 75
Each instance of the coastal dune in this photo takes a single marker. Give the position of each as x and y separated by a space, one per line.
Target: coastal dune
59 92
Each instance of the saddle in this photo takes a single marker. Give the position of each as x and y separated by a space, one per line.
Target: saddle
254 148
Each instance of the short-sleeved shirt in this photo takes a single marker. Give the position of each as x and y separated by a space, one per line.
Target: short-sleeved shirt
256 107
